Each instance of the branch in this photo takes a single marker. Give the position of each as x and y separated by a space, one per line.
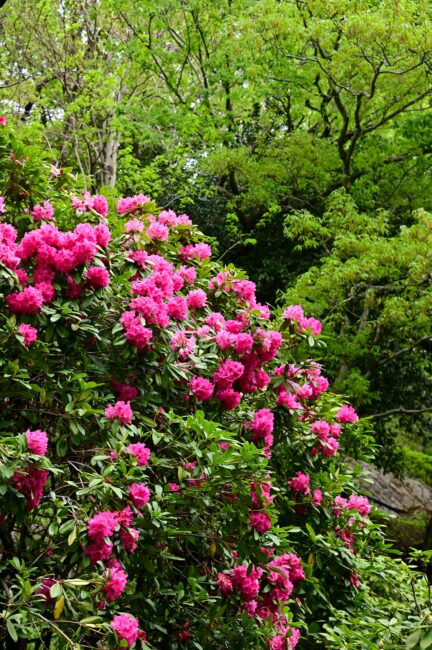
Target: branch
401 109
426 409
403 350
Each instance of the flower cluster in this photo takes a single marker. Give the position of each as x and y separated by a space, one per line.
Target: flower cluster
47 252
130 204
29 333
126 627
294 314
263 591
116 580
43 213
121 411
101 529
30 481
97 203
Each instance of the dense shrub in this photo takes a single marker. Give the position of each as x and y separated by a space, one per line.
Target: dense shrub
171 465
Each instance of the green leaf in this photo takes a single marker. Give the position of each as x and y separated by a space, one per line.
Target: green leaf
426 640
56 590
72 536
412 640
311 532
91 619
11 629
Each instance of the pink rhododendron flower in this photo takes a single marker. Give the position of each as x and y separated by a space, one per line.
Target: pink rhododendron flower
126 627
335 430
157 231
29 333
359 503
136 333
300 483
295 313
262 424
187 273
346 414
224 339
30 483
116 583
129 539
228 398
97 277
100 205
102 234
227 373
37 442
99 550
321 428
121 411
260 521
103 524
3 120
260 492
329 447
317 497
347 537
245 289
216 320
195 251
202 388
28 301
2 205
134 225
44 589
139 494
278 643
243 343
126 392
354 580
174 487
177 308
22 277
313 324
246 581
196 299
43 213
224 583
140 452
130 204
125 516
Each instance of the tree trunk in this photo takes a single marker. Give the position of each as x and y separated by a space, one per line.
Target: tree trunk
108 160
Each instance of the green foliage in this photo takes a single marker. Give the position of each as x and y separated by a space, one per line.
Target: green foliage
372 290
395 617
418 464
257 109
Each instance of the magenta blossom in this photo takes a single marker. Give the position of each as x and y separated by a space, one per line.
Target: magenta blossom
28 333
121 411
346 414
126 627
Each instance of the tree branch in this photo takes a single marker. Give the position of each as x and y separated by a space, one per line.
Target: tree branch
403 350
426 409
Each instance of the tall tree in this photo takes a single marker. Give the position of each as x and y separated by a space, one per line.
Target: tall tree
68 67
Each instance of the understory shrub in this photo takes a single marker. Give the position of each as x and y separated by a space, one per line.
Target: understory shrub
172 465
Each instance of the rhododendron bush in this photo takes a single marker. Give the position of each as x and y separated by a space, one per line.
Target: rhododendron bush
172 466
